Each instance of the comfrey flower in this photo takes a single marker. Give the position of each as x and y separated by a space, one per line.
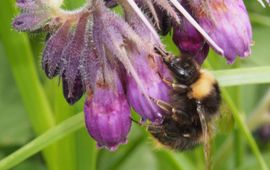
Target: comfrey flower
190 41
113 58
227 23
107 112
149 67
94 50
263 133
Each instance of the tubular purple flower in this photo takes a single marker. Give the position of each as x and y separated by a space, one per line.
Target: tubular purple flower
154 86
150 69
264 133
89 64
107 113
164 21
71 55
115 39
153 5
30 21
227 23
111 3
159 16
190 41
54 46
26 4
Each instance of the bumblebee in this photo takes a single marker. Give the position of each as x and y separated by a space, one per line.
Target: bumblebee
195 101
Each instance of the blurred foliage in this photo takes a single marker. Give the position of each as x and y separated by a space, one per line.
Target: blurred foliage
78 151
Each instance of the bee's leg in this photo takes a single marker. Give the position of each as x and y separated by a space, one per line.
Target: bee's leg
177 87
154 129
137 122
168 108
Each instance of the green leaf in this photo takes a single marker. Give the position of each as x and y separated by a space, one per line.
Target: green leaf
172 161
142 158
86 151
14 125
21 60
115 159
31 165
259 19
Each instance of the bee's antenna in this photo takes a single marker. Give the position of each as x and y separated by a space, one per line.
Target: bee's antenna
138 122
135 121
167 57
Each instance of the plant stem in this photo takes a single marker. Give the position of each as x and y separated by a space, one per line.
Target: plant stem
239 146
244 129
257 118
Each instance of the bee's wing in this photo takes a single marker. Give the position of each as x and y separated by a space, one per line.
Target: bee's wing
224 120
207 133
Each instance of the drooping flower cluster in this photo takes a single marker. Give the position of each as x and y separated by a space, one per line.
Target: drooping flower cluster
112 58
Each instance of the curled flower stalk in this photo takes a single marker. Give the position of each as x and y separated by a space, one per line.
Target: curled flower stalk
112 59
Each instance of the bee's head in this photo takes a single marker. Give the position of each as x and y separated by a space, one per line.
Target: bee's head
186 69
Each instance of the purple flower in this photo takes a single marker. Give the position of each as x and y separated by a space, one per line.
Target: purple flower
114 61
31 21
227 23
107 112
263 133
53 49
35 16
70 56
62 54
154 86
150 69
110 3
155 7
190 41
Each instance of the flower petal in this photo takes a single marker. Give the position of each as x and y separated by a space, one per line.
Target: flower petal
30 21
53 49
107 113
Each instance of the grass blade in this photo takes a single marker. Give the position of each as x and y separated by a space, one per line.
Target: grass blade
244 129
68 126
243 76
